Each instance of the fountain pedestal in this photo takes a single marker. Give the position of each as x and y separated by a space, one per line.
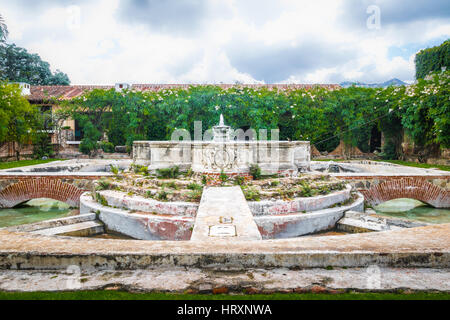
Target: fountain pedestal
222 154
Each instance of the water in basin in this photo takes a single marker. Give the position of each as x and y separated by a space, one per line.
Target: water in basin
413 210
34 211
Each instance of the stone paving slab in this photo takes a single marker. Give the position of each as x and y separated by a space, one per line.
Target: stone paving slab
196 280
224 215
87 228
427 246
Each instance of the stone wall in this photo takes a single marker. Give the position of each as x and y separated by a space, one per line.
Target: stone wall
19 188
233 156
430 189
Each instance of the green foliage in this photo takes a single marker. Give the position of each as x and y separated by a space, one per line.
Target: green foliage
389 151
194 186
107 147
19 121
162 195
42 145
17 65
101 199
255 171
114 169
239 180
171 185
251 193
103 185
195 195
432 59
223 177
24 163
274 183
3 30
321 116
168 173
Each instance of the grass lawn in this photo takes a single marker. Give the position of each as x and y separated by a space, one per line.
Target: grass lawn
121 295
418 165
400 162
24 163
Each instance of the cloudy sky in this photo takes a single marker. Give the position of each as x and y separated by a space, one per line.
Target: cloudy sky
212 41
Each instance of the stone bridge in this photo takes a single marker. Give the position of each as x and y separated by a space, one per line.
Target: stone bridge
16 188
378 188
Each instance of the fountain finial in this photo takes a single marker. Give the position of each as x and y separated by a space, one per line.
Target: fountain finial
221 123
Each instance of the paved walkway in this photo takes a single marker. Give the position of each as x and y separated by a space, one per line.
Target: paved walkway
224 215
416 247
196 280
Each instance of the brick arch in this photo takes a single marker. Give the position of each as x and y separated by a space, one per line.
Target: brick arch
413 188
25 190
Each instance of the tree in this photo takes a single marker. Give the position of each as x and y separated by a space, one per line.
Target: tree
17 65
17 117
3 30
432 59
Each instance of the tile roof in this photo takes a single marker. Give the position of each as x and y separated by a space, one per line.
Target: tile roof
40 93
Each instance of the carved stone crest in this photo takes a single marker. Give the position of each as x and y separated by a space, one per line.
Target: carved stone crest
219 158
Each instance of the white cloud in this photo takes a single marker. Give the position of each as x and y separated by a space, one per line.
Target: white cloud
233 41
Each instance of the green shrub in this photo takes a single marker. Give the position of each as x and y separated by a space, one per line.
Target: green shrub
171 185
103 185
432 59
223 177
195 195
251 194
101 199
389 151
139 169
162 195
194 186
107 147
189 173
255 171
87 146
239 180
42 146
168 173
274 183
114 169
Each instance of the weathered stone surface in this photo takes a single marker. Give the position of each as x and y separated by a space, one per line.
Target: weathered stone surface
143 225
276 207
53 223
231 156
194 280
408 188
66 187
355 222
82 229
138 203
298 224
416 247
224 206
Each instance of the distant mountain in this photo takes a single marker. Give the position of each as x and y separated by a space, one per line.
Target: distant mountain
393 82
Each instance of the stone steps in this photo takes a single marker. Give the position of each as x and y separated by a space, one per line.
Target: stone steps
356 222
83 229
47 224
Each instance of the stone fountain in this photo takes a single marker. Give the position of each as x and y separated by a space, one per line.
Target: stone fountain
224 154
